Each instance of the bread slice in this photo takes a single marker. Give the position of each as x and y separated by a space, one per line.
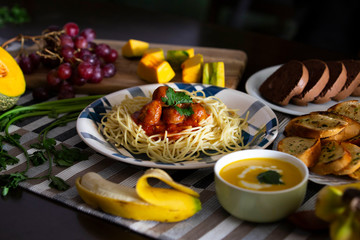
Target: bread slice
337 79
306 149
318 78
333 158
355 175
287 81
352 81
351 130
355 140
350 108
314 125
355 159
356 92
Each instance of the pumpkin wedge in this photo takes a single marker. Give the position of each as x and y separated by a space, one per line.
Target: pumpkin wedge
192 69
134 48
153 70
12 81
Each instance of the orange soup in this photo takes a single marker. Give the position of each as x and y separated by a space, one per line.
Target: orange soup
262 174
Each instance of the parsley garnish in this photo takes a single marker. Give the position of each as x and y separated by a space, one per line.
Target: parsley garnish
47 152
270 177
174 98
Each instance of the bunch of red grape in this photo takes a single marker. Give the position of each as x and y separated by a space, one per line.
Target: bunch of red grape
73 59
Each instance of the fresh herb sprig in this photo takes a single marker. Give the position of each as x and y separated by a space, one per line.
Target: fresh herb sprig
64 157
270 177
175 98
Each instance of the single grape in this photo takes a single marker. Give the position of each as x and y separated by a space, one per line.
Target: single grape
66 90
67 53
102 50
26 64
53 79
109 70
50 63
92 59
64 71
79 81
66 41
35 60
81 42
112 56
41 94
92 46
97 76
85 70
71 29
89 34
82 53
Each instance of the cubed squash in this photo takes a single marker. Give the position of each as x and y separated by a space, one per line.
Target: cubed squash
214 74
156 52
154 70
134 48
192 69
177 57
12 81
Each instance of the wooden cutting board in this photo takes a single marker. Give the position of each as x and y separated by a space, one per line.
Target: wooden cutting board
125 77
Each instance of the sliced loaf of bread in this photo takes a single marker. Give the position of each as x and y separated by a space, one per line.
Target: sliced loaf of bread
333 158
352 79
354 165
306 149
314 125
318 78
337 79
286 82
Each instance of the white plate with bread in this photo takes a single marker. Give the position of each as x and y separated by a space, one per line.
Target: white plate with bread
286 105
328 142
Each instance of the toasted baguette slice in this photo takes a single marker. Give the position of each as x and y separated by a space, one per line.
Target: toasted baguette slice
351 130
351 109
355 140
355 159
314 125
333 158
306 149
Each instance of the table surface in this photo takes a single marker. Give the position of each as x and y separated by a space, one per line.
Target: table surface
36 214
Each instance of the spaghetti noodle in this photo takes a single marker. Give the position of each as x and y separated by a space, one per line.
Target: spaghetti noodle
220 132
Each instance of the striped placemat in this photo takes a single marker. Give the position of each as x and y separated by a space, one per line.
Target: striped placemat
212 222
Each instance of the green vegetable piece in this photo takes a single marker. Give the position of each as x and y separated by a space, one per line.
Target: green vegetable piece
214 74
270 177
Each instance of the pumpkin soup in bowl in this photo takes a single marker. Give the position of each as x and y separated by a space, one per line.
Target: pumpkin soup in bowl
260 185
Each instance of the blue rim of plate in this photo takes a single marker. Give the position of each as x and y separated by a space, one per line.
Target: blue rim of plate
260 115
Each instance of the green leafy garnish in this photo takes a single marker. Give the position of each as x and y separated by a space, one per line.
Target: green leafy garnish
270 177
47 151
174 98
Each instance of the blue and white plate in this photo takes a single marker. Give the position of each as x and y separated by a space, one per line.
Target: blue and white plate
260 116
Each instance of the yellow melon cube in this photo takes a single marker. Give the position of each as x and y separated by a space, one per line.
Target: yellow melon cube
134 48
154 70
156 52
192 69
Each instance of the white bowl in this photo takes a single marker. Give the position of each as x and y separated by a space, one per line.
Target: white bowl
254 205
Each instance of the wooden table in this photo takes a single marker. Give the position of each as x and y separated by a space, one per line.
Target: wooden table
25 215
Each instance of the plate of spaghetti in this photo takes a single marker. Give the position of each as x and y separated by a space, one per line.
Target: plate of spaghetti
176 125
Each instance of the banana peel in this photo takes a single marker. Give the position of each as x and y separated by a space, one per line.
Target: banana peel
142 203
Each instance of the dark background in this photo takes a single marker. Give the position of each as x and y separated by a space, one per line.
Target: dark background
328 24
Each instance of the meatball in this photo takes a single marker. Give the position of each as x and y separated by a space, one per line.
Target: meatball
172 116
150 114
199 113
159 93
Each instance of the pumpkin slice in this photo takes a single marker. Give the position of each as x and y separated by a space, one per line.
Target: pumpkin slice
12 81
154 70
192 69
177 57
134 48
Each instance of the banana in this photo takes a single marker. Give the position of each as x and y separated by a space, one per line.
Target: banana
340 206
142 203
